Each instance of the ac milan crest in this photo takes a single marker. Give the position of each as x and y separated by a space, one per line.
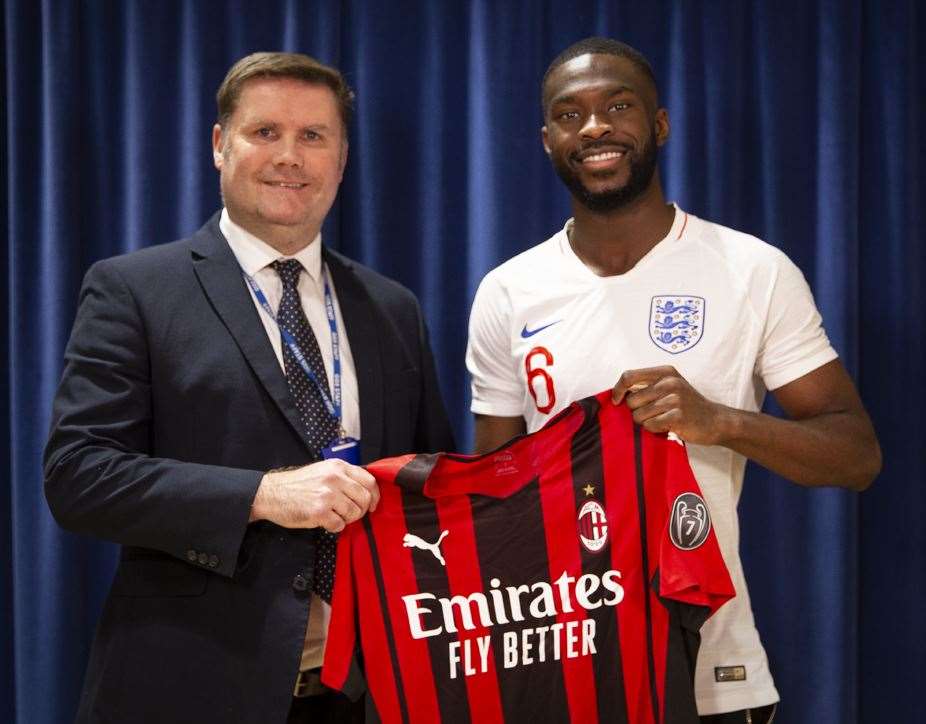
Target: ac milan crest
593 526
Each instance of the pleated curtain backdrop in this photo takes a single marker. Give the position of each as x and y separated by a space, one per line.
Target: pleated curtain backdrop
800 122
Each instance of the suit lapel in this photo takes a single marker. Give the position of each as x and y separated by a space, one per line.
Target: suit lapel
215 265
363 336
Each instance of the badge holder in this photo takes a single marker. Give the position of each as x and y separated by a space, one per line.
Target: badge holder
344 448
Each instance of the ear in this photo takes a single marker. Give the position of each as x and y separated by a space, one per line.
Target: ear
217 158
343 160
662 126
544 135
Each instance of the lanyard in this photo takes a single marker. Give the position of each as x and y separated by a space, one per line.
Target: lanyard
333 406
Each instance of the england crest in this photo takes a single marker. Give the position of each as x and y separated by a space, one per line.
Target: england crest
676 322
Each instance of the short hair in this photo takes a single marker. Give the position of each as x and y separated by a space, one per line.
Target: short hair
282 65
599 46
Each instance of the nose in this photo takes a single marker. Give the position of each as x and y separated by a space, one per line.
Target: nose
595 127
287 153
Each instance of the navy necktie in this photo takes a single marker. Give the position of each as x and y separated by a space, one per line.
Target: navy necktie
321 427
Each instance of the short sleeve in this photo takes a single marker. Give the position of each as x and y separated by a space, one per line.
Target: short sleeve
340 670
495 384
691 566
793 339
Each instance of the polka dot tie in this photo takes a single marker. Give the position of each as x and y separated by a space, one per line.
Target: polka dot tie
320 426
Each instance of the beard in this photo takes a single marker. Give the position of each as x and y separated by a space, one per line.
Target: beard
642 168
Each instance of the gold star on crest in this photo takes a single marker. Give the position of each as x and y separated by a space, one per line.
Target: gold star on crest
589 489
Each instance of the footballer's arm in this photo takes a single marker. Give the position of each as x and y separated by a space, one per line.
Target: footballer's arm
827 440
492 431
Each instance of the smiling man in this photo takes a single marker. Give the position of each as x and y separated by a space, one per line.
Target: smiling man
205 380
690 322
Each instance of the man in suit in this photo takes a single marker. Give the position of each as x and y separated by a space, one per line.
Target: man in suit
196 370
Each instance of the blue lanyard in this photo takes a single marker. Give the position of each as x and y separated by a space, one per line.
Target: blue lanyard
333 406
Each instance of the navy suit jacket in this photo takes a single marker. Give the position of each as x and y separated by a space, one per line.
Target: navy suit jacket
171 407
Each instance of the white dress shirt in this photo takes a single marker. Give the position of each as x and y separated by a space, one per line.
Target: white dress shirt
255 257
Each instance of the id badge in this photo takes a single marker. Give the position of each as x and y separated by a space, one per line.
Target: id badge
345 448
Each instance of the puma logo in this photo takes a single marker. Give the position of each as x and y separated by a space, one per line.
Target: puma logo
412 541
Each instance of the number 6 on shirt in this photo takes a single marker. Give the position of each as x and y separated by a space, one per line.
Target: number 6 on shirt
533 374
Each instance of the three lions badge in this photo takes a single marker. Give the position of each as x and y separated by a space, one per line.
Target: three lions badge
676 322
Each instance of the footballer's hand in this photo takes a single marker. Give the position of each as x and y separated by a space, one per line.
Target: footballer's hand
663 401
327 494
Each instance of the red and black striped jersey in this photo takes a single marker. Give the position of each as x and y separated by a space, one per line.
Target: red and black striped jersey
561 578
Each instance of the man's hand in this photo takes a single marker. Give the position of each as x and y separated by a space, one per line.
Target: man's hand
328 494
828 439
663 401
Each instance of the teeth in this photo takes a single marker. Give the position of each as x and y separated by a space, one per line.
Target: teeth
284 185
602 156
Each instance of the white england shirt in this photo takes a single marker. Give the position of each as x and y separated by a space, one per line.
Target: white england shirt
731 313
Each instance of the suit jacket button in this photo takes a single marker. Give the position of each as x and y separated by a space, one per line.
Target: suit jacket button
213 561
203 559
299 582
191 555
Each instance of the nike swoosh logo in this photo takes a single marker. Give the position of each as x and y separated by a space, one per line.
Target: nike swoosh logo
525 333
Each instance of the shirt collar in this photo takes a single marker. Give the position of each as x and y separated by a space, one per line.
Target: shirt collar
675 231
253 254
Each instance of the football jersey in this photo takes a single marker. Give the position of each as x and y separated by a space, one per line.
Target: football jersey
561 578
731 313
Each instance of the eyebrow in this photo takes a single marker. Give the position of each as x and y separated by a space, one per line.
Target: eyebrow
571 98
259 122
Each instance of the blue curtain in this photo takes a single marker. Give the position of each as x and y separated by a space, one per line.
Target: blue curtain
800 122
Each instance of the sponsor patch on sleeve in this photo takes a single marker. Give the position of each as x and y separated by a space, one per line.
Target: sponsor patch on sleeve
729 673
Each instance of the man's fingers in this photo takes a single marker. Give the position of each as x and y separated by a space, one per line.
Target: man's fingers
329 494
662 422
635 380
332 522
659 404
643 395
362 497
368 482
362 476
353 492
347 509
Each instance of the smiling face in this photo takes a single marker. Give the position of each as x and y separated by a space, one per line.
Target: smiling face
281 158
603 129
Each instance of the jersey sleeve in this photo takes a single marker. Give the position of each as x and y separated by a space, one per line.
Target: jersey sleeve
496 387
340 669
793 340
691 566
362 652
